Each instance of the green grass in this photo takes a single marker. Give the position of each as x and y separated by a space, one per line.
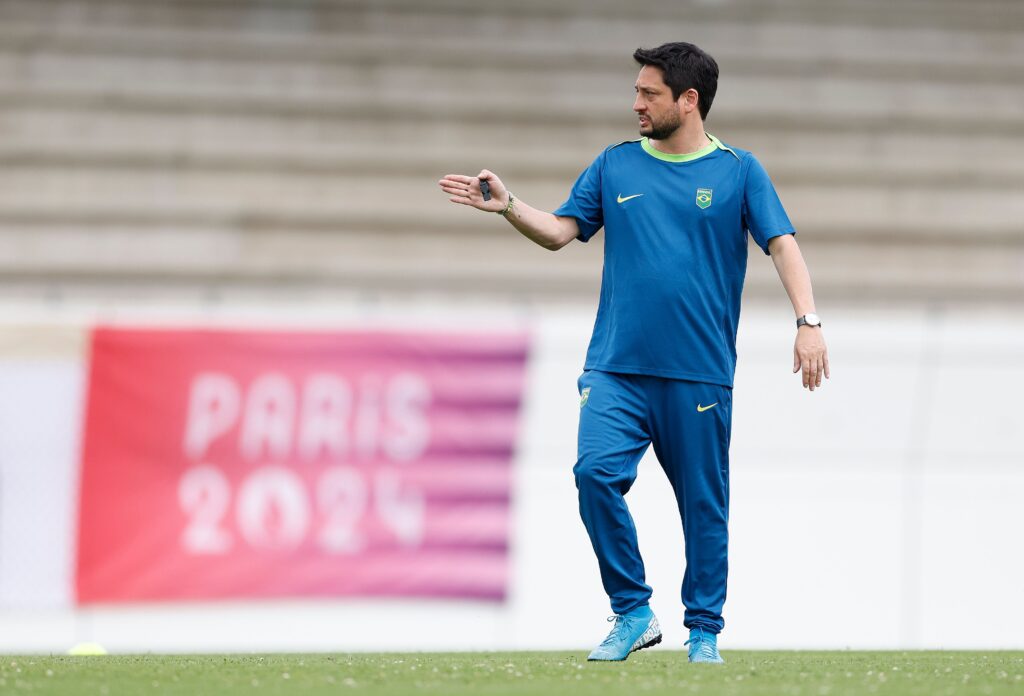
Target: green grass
559 673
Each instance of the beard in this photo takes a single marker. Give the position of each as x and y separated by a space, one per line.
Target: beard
662 129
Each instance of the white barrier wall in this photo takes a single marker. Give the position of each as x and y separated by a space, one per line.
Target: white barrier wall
884 511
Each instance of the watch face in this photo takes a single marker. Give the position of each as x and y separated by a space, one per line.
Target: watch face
812 319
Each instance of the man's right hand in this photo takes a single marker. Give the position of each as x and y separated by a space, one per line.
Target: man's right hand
466 191
546 229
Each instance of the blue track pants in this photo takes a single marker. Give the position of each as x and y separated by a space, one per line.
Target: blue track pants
689 424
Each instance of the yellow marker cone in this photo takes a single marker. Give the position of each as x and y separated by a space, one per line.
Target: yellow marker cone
87 649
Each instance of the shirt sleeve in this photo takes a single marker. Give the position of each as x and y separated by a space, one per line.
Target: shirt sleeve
763 214
584 202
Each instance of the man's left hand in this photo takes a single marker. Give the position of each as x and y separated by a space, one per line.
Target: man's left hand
810 355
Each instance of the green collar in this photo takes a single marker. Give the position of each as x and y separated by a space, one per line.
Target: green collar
715 144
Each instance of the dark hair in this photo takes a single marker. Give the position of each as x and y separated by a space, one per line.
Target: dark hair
685 67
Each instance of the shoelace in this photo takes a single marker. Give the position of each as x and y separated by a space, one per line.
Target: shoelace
702 644
612 637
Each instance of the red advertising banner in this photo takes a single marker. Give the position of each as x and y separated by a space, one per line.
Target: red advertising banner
242 464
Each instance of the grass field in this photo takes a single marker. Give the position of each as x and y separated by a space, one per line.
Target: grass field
562 673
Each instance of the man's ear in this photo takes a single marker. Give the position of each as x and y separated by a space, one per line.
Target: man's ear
688 100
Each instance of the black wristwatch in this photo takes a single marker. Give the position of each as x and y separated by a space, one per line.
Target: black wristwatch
808 320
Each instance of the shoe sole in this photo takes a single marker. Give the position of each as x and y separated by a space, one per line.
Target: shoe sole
651 643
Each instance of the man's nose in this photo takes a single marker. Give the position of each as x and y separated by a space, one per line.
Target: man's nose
638 105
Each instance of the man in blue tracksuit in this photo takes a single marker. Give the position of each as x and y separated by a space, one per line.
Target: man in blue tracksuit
676 206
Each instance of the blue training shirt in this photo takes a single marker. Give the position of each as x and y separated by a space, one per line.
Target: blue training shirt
675 255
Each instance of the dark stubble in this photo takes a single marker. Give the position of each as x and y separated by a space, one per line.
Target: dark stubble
662 130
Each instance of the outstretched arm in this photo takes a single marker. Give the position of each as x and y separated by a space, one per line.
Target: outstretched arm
550 231
809 352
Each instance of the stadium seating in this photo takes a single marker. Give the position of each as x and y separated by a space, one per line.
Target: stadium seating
198 149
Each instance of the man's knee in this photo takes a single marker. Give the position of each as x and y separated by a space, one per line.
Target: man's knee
594 474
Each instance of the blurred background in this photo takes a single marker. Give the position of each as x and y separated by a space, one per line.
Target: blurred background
213 187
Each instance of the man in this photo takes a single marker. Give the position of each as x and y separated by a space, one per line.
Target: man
676 206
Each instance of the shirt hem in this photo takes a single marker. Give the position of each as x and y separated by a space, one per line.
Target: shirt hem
654 372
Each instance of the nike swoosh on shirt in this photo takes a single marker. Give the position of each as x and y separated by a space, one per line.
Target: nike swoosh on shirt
702 409
620 199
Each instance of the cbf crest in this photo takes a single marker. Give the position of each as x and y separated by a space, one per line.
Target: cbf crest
703 198
584 396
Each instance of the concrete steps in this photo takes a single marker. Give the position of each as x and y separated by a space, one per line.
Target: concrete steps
333 15
540 44
502 267
457 71
108 137
402 199
258 146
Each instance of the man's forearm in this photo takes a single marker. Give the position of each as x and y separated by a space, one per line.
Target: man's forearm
550 231
792 269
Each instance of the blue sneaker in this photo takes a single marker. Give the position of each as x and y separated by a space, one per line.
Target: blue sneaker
634 631
704 647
